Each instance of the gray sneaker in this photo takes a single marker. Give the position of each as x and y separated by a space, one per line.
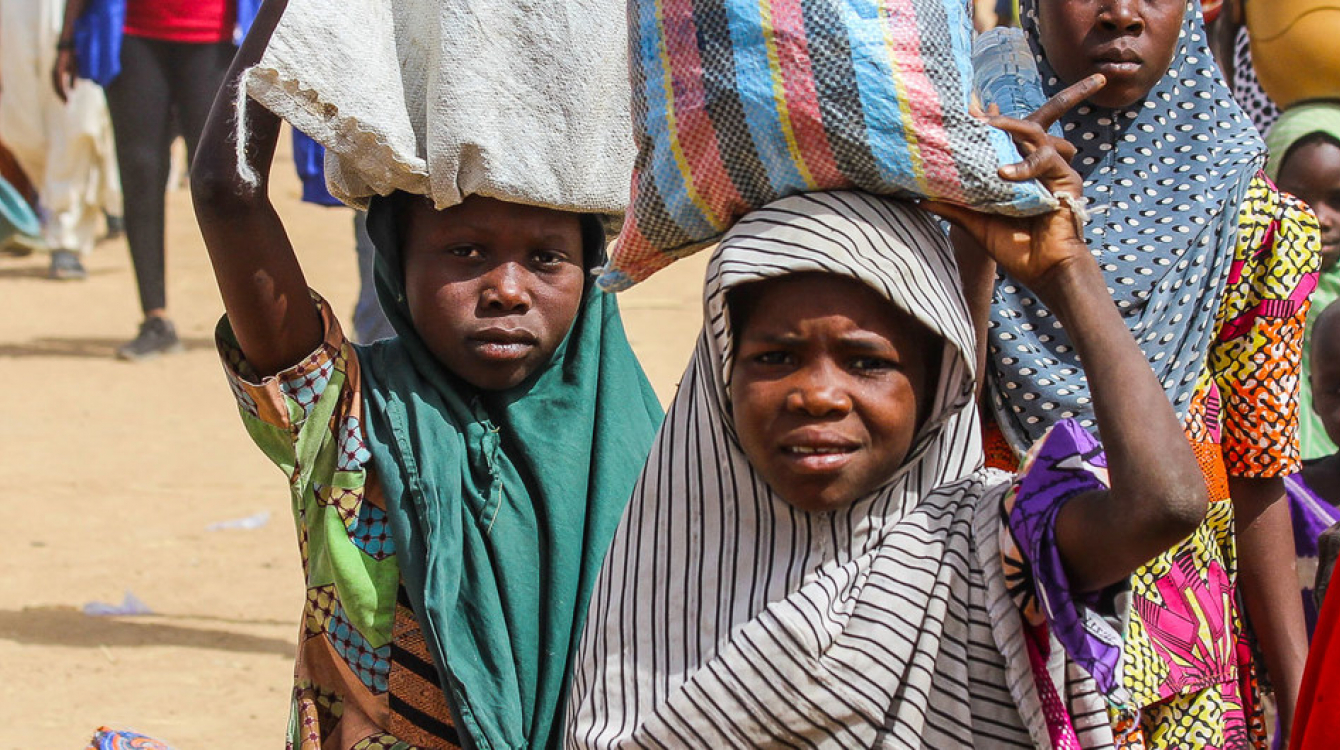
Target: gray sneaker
66 266
157 336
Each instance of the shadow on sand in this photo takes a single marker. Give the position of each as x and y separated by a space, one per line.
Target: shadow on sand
82 348
66 626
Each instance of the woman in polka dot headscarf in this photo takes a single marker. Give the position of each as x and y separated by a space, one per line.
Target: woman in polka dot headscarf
1210 266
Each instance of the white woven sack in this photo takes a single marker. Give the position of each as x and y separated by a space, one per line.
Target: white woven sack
520 100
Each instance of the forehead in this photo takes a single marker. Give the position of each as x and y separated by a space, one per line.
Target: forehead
1314 159
793 301
481 218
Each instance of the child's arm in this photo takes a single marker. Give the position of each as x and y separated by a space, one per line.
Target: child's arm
1157 494
1268 581
977 269
65 69
264 292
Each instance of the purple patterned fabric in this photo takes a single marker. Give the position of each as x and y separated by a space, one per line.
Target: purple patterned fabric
1068 462
1311 515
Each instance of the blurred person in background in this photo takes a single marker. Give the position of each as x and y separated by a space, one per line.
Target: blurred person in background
65 148
154 58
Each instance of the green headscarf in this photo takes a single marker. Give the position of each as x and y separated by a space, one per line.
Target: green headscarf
1294 125
502 504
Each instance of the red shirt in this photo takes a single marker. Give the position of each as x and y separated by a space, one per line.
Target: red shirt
191 21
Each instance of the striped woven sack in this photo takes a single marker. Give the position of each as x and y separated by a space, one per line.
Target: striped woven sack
738 103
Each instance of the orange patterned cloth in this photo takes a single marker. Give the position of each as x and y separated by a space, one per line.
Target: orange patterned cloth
1187 662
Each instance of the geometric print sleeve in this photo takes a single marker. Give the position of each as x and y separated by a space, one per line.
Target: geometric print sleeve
308 420
1065 463
1255 362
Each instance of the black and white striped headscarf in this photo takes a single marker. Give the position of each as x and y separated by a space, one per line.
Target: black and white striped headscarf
723 617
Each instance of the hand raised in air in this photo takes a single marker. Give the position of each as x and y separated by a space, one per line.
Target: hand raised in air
1032 249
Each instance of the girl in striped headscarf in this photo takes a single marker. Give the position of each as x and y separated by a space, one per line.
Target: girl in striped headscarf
814 555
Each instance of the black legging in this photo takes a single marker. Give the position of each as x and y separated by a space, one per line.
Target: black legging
157 79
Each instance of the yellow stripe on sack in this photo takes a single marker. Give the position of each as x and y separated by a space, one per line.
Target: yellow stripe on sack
676 148
779 94
904 105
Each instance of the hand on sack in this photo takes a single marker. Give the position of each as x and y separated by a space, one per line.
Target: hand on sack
1033 249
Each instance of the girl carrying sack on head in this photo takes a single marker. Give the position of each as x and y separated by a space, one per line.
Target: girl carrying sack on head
454 487
814 555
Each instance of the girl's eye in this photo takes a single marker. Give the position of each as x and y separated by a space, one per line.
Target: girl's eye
773 358
549 258
873 364
464 251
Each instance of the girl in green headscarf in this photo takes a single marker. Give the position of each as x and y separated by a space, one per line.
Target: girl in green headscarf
455 487
1305 161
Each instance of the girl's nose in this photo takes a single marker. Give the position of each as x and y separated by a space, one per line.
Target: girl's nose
817 392
1121 15
505 290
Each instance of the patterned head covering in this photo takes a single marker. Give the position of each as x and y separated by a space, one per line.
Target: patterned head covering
1167 175
1297 123
724 617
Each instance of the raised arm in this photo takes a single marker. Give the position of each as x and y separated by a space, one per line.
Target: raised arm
264 293
1157 494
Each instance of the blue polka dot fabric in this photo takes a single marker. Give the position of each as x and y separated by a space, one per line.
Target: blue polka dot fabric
1165 178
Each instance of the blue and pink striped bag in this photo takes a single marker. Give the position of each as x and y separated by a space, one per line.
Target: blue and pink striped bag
737 103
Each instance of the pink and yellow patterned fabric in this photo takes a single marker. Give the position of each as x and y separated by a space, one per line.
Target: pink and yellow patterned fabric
1188 666
1186 663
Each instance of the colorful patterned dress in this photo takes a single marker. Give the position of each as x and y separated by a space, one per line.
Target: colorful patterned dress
363 678
1187 663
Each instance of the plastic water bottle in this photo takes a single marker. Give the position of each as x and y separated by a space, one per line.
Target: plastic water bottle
1005 73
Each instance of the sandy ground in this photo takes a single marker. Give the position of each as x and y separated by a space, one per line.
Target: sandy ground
114 470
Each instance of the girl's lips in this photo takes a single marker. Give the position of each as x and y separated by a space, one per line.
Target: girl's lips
815 459
502 345
1117 67
501 351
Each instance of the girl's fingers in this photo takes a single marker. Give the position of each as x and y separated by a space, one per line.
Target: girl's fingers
1035 166
1047 166
1066 99
1063 147
1046 158
1028 135
966 218
975 224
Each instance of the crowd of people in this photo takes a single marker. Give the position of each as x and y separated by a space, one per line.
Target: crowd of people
933 477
